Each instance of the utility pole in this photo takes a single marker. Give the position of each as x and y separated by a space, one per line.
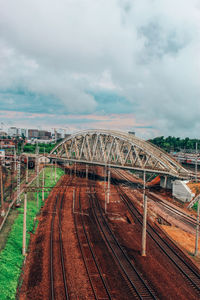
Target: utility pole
196 164
43 182
55 170
52 172
105 201
11 175
37 172
105 176
197 230
15 160
144 228
24 224
18 180
2 200
144 185
27 169
108 191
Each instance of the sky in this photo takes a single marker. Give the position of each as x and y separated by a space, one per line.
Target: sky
117 64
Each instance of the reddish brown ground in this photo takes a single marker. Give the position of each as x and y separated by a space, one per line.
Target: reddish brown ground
179 231
155 267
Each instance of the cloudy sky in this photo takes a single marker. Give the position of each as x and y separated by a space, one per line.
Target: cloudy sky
128 65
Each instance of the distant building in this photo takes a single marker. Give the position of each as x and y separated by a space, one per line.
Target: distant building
23 132
58 135
13 131
39 134
44 135
3 133
33 133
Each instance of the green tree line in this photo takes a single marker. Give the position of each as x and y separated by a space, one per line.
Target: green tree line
31 148
172 143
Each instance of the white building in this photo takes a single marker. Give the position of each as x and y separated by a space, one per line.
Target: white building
181 190
23 131
13 131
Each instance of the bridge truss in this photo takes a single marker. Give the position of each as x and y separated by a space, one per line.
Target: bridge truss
119 150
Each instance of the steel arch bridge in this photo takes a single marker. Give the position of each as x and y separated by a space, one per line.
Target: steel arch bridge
119 150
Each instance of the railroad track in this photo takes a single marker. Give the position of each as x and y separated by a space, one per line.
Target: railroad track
98 284
60 197
169 249
137 286
184 217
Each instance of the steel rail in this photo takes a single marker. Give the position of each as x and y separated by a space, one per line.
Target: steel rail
52 277
145 291
83 257
51 252
184 217
92 253
183 266
61 249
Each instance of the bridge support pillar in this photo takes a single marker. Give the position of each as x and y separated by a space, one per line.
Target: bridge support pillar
70 171
86 173
166 182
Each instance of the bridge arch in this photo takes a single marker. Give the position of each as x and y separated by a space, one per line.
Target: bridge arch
117 149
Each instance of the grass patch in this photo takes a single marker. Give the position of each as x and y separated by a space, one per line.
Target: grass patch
195 206
6 228
11 258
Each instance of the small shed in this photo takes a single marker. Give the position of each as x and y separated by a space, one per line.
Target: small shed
43 159
181 189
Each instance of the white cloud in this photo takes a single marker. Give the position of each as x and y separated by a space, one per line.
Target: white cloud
146 50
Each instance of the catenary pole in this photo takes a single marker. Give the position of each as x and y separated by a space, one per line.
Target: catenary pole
24 224
2 195
197 230
144 227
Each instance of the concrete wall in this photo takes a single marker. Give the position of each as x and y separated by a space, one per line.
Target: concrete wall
181 191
